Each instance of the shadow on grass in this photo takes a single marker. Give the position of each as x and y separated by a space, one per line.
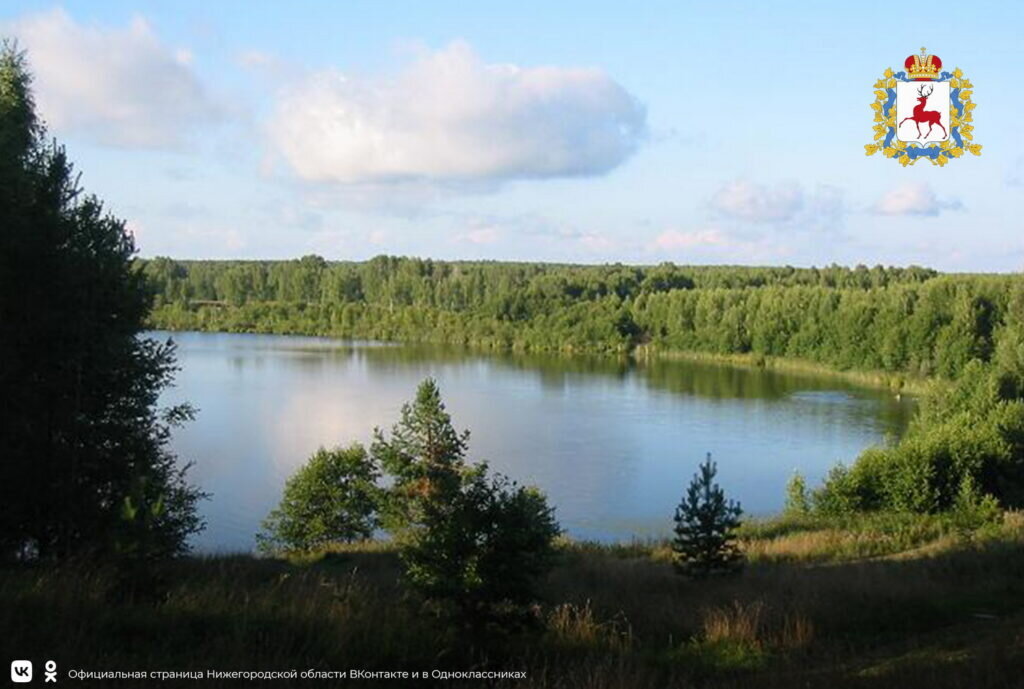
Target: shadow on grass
613 617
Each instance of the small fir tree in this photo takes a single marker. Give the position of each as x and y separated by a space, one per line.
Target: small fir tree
704 542
477 543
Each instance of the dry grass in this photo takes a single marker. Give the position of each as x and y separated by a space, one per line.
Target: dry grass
758 626
576 626
612 617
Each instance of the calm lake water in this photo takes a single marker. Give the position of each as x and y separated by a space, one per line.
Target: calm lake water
612 443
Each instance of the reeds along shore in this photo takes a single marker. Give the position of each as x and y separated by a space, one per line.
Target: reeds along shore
890 601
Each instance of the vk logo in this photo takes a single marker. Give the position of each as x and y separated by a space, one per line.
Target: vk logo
21 671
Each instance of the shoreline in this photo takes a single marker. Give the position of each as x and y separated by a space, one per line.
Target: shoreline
895 382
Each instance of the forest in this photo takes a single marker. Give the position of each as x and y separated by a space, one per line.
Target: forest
910 321
960 336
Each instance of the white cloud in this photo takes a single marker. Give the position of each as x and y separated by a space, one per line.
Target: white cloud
200 238
119 86
678 239
745 200
450 117
596 242
784 206
914 198
714 244
483 234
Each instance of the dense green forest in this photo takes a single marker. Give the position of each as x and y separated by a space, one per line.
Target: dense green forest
903 320
965 333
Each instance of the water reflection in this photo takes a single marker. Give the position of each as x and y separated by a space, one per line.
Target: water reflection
611 441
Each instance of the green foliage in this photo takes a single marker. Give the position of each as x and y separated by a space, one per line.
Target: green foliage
972 510
705 531
903 320
797 500
85 447
477 544
970 432
333 497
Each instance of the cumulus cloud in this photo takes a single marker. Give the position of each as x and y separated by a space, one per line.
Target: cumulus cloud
751 202
713 243
914 198
678 239
789 205
450 117
481 234
119 86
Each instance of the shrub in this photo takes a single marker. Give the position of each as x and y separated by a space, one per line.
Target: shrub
706 523
970 431
333 497
797 502
973 510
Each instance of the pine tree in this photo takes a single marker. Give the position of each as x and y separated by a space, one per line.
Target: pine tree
704 542
86 469
474 542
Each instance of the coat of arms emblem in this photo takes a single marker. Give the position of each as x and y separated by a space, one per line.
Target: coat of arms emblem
923 112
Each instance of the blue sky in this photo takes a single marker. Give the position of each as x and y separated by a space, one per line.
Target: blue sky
586 132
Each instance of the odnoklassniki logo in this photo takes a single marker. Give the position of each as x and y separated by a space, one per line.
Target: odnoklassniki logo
923 112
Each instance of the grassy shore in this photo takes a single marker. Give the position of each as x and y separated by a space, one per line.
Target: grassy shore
886 380
883 602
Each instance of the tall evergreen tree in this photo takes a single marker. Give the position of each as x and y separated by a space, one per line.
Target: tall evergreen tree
476 543
705 541
86 468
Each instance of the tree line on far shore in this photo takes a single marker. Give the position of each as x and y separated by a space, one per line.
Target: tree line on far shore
903 321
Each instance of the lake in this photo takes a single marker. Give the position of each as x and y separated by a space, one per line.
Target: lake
612 443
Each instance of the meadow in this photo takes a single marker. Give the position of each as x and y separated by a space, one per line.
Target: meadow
889 601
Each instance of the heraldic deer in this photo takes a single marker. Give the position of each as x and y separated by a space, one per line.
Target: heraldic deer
931 117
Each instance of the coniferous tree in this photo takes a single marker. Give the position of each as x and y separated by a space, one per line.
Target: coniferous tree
705 541
85 469
476 543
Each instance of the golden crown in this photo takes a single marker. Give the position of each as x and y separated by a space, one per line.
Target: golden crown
923 66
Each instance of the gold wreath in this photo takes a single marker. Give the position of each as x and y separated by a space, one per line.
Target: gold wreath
947 148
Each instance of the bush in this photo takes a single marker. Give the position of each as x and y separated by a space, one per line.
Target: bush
705 531
333 497
973 510
797 502
971 429
474 544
